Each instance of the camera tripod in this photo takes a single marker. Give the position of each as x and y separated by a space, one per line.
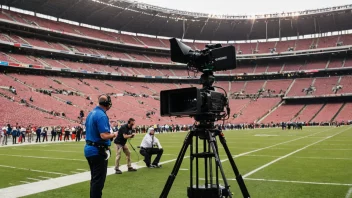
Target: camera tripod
211 188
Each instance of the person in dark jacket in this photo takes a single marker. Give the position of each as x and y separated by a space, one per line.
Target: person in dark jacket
45 134
53 134
38 132
14 135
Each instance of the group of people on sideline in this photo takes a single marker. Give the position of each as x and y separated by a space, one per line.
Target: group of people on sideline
20 134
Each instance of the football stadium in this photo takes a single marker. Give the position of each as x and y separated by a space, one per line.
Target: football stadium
275 122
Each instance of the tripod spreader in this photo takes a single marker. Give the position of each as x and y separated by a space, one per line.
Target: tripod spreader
210 189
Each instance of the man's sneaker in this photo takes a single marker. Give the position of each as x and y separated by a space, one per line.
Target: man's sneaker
118 171
151 166
131 169
156 166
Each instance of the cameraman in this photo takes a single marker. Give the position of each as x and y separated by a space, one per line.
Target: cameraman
147 149
125 132
97 148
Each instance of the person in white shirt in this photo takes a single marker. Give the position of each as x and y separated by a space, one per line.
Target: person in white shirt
2 135
147 149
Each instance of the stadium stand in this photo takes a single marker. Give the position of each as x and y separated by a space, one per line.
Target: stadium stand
262 99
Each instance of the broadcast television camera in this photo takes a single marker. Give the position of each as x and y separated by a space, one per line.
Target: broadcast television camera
205 103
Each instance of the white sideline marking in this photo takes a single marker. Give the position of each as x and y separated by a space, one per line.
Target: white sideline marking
349 193
81 169
288 181
239 155
298 182
264 135
44 177
28 169
38 157
333 149
33 179
322 158
285 156
32 144
60 151
25 182
54 183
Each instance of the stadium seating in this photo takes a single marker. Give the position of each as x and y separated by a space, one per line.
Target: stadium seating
265 47
237 86
325 42
255 110
292 66
298 86
327 113
253 87
335 63
136 99
314 65
276 86
283 46
275 67
308 112
345 113
304 44
325 85
283 114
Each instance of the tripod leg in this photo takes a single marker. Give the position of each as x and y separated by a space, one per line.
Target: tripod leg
239 178
211 140
177 165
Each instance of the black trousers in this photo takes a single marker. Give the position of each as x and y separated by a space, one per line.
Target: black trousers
148 152
14 139
98 169
38 138
45 137
78 137
67 136
53 137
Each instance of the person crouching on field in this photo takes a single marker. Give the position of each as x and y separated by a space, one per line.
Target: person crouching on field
147 149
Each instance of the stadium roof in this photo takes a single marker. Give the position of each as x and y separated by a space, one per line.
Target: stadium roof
153 20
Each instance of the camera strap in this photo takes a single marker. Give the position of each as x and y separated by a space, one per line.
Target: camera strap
133 149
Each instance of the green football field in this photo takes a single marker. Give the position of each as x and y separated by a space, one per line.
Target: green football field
315 162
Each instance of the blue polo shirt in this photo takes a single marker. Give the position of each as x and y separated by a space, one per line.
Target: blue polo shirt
97 122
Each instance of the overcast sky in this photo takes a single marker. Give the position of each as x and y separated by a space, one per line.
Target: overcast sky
249 7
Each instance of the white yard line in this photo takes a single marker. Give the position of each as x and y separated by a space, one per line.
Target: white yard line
260 149
81 169
333 149
39 157
41 150
9 144
59 182
322 158
289 181
44 177
74 172
349 193
25 182
33 170
33 179
298 182
285 156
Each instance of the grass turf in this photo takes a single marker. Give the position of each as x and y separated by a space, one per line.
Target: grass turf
328 161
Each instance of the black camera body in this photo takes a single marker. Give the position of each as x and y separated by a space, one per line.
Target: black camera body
204 104
192 102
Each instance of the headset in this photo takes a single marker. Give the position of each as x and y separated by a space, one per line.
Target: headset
106 103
